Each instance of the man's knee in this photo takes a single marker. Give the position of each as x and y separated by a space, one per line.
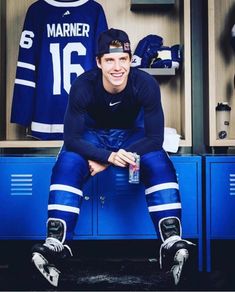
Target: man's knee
71 163
155 163
157 168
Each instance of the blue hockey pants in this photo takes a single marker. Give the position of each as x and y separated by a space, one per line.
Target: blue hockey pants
71 171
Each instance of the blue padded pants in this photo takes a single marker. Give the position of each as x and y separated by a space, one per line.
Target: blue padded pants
71 171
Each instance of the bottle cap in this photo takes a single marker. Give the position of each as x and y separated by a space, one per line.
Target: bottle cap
223 106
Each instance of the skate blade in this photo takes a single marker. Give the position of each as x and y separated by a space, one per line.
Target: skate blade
180 259
50 273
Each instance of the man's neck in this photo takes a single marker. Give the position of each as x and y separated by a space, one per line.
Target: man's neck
114 89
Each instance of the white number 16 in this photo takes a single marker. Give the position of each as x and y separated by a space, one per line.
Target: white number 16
68 68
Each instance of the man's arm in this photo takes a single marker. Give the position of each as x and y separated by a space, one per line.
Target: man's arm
74 127
150 99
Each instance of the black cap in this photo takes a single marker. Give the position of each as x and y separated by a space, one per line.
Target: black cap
223 106
112 34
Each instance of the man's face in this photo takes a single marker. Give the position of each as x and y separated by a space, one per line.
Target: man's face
115 68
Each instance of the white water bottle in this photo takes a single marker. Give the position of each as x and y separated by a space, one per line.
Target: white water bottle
222 120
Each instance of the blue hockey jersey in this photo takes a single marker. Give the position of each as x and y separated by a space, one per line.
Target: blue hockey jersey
57 44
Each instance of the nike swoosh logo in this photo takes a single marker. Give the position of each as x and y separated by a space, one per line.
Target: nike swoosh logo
114 103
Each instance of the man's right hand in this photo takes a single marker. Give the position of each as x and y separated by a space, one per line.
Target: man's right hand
122 158
96 167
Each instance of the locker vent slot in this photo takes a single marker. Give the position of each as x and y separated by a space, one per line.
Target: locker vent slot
21 184
232 184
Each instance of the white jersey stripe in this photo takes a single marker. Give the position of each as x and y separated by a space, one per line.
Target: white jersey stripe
64 208
26 65
160 187
164 207
47 128
60 187
25 82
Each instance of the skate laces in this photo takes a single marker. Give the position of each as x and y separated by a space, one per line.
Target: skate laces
167 244
54 244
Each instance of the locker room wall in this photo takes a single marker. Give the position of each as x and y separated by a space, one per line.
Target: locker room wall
168 23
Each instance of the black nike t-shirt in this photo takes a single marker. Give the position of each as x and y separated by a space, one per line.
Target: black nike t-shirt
90 105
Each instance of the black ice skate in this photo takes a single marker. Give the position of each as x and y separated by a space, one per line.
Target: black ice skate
49 256
174 251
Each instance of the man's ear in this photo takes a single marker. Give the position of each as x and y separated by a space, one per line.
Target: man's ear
98 62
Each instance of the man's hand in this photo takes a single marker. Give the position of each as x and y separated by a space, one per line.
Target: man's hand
122 158
96 167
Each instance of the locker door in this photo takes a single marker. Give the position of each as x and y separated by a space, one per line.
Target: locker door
24 185
222 180
122 209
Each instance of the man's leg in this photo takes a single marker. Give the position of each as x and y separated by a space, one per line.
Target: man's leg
164 205
65 198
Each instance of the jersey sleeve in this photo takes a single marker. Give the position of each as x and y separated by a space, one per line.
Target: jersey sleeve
101 24
25 80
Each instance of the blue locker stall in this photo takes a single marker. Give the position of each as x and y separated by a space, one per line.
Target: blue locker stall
112 208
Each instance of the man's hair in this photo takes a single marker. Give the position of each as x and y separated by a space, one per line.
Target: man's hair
116 44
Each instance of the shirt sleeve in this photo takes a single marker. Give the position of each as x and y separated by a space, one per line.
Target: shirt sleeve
74 127
150 98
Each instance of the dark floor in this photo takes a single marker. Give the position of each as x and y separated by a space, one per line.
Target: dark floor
109 266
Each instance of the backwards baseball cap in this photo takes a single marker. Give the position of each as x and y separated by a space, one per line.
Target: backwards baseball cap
110 35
